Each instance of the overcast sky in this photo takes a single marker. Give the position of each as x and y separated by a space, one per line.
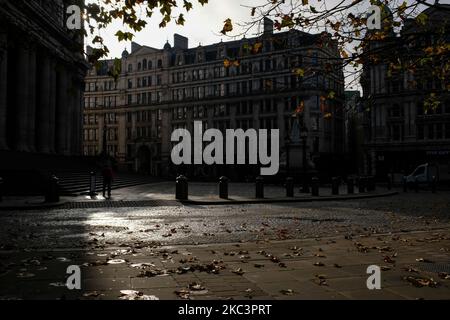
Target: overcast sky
203 24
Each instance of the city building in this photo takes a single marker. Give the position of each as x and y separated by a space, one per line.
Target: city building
42 70
248 83
401 131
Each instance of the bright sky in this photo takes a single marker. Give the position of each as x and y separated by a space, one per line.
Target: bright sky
203 24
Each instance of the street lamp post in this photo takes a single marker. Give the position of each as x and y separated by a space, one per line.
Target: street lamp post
287 142
304 136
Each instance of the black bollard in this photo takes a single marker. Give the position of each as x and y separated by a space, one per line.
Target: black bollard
93 185
1 189
335 186
350 186
290 187
361 185
260 188
182 188
223 188
52 195
315 187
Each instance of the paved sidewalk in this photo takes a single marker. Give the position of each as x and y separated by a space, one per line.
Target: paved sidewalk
199 193
415 265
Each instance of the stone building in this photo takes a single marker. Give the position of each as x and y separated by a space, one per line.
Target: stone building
247 83
42 71
401 132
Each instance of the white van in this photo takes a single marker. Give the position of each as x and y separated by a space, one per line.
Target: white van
424 173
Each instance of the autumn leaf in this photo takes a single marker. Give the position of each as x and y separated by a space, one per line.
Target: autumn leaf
228 26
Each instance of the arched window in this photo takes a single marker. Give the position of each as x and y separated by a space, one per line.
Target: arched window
144 64
130 68
139 66
150 65
159 63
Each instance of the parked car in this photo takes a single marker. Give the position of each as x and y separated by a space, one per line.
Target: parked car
424 173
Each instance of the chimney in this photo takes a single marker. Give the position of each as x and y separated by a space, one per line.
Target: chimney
268 26
180 42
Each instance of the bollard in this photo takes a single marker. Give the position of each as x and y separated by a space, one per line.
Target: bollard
361 185
315 186
433 185
93 185
1 189
52 195
290 187
260 188
350 186
335 186
223 188
182 188
405 184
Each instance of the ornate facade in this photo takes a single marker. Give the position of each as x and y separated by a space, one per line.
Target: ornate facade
401 132
42 69
247 83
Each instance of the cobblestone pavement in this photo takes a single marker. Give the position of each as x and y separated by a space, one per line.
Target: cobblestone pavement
258 251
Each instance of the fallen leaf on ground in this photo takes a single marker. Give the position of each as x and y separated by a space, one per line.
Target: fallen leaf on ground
444 275
422 282
135 295
239 272
93 294
116 261
424 260
288 292
319 264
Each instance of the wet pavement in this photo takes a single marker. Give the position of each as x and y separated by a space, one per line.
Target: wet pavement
93 234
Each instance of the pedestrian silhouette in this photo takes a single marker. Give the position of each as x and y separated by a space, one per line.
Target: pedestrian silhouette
108 176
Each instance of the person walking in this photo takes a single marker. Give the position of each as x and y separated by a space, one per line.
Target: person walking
108 177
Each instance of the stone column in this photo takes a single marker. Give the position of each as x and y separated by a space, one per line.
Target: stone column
51 137
22 97
69 108
62 112
78 114
31 137
43 111
3 89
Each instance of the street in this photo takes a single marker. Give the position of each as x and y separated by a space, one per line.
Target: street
309 250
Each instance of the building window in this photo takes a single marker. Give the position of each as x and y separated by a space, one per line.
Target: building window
130 68
144 64
160 64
